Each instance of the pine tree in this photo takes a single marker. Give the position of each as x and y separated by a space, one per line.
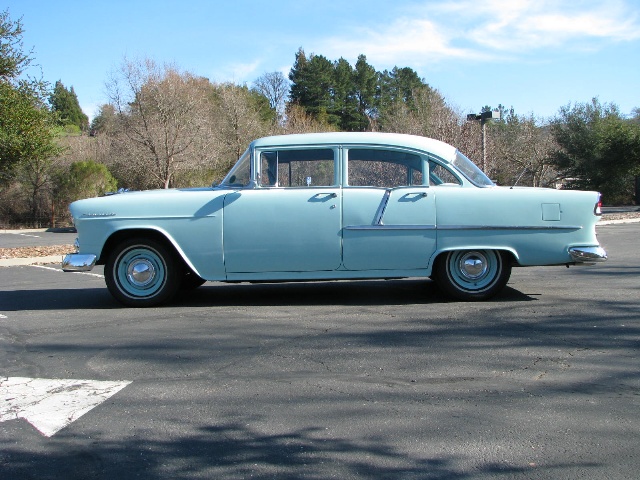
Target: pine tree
344 106
65 104
366 81
312 84
352 99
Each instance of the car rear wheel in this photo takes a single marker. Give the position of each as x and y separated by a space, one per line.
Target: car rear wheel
472 274
142 273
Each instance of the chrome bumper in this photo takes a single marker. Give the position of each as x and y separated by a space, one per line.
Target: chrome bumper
78 262
587 255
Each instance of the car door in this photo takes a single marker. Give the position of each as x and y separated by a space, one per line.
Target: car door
290 221
389 213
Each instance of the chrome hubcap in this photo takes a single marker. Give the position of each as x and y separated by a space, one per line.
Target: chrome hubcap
141 272
473 265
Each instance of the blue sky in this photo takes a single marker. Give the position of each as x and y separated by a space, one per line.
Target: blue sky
534 55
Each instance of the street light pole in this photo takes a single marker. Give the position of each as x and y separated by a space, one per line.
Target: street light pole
483 129
484 117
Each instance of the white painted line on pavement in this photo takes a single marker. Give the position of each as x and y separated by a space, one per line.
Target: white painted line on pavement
59 270
20 234
50 405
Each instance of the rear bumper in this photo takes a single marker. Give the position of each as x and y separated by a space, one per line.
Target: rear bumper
586 255
78 262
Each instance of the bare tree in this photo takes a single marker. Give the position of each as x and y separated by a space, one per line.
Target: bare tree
430 115
275 87
237 118
517 147
299 121
163 117
521 151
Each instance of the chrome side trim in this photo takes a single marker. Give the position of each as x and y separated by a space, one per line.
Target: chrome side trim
78 262
509 227
588 254
390 227
379 226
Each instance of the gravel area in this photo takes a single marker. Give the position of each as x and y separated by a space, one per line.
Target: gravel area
32 252
621 216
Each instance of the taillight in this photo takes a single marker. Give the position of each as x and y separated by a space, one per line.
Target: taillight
597 210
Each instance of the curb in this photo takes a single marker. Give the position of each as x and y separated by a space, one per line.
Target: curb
617 222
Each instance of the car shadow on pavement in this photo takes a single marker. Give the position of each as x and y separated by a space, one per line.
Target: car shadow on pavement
366 292
56 299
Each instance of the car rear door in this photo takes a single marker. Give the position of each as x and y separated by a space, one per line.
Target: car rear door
389 216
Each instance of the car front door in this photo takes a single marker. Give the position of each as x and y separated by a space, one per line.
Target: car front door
291 221
389 215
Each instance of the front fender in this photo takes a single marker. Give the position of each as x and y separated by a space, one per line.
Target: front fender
190 221
196 246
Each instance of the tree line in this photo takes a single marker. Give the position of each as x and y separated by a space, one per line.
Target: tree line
163 127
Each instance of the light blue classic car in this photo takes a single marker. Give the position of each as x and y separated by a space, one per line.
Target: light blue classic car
332 206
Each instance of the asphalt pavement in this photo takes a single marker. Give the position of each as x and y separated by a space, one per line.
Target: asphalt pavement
350 380
36 237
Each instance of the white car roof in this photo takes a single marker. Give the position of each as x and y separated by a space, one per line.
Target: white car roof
436 147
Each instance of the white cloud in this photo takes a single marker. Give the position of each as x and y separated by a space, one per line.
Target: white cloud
238 72
526 25
491 29
91 110
416 41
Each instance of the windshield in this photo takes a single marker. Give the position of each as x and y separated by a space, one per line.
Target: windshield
240 174
471 171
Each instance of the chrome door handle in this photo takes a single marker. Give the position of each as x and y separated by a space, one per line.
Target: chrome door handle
415 195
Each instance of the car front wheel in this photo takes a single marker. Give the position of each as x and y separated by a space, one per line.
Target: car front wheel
472 274
142 273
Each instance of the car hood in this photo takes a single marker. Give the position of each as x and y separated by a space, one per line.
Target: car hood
149 204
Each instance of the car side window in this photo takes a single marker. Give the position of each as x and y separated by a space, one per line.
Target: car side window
314 167
240 174
372 167
439 175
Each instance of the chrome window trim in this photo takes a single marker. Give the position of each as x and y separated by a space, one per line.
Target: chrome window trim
382 207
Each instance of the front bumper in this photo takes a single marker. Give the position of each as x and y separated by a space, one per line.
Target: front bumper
587 255
78 262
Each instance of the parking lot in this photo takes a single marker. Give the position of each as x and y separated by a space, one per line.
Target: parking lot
364 379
